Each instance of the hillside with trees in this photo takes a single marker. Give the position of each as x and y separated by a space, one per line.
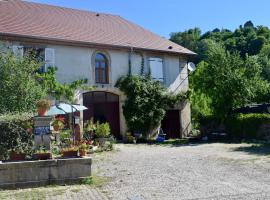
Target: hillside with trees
233 68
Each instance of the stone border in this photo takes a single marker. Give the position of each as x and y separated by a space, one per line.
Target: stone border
44 172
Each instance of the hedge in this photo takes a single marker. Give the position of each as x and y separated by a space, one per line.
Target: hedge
246 125
238 126
13 136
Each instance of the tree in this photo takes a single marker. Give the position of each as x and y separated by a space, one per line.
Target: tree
59 90
19 89
146 103
246 39
228 80
187 38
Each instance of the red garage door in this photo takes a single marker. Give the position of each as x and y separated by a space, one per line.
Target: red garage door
103 107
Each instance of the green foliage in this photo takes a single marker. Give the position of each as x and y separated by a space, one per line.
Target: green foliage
247 39
19 89
90 126
65 136
228 80
58 90
13 137
103 130
227 74
43 103
246 125
146 102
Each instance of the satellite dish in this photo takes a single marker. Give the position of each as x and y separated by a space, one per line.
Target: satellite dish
191 66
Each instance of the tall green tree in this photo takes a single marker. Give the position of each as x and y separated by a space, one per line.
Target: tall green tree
228 80
19 88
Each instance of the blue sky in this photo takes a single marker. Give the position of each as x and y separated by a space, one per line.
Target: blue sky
166 16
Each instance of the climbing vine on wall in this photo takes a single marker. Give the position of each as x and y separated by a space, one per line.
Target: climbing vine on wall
146 103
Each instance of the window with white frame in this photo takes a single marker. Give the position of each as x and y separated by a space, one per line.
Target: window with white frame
156 69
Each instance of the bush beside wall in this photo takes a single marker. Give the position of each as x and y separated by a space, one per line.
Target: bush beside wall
247 126
240 126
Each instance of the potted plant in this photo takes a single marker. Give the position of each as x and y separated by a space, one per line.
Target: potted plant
17 153
28 126
43 106
103 132
89 129
70 151
42 154
83 149
90 126
58 124
129 138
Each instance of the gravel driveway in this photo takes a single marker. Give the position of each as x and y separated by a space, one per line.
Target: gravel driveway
203 171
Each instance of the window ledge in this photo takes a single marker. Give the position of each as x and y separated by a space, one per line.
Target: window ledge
103 85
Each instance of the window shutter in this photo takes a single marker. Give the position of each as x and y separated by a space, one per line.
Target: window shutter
49 58
17 50
156 67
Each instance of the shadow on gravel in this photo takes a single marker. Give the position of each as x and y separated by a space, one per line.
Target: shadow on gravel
262 149
174 142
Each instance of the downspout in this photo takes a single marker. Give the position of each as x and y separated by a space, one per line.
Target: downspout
142 63
129 60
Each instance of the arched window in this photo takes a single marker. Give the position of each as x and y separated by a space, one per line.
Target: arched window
101 69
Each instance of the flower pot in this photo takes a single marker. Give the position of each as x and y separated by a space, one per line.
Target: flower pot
42 156
70 153
42 111
56 127
82 153
17 156
29 130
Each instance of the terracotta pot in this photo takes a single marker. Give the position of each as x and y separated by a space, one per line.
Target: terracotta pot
82 153
17 156
56 127
42 156
70 153
42 111
29 130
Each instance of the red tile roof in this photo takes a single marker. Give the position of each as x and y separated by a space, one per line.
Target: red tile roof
64 24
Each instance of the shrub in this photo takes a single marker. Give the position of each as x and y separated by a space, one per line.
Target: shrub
13 137
20 89
246 125
103 130
146 103
43 103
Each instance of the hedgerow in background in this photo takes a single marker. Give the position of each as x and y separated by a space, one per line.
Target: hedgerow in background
146 103
246 126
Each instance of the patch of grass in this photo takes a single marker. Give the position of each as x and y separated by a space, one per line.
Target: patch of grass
97 181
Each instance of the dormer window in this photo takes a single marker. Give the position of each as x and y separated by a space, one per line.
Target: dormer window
101 69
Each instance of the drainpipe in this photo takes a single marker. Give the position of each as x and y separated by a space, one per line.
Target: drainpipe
129 60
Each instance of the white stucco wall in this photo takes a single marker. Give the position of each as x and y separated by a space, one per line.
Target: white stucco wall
75 63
